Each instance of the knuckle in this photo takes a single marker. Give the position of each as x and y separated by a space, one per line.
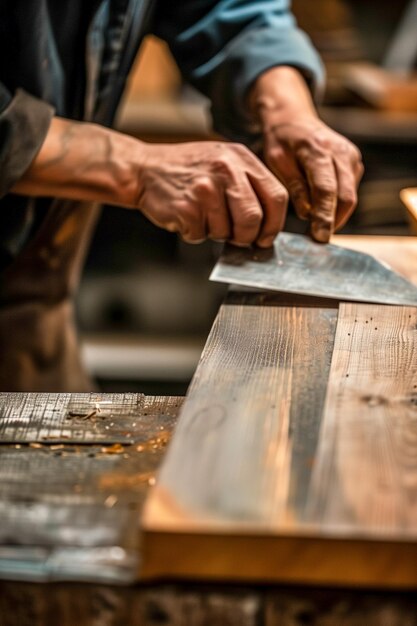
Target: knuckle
360 169
251 218
241 149
325 189
282 195
348 198
322 142
204 185
223 165
275 155
355 153
307 152
273 188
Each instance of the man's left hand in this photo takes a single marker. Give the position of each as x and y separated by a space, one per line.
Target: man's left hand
320 168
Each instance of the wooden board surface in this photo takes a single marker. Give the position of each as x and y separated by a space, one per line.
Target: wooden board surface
71 510
79 418
242 453
234 498
365 475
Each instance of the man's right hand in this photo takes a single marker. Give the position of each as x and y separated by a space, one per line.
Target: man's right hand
211 190
200 190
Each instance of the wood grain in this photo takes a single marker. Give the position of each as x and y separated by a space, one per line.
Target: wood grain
72 511
365 475
258 389
235 499
242 453
79 418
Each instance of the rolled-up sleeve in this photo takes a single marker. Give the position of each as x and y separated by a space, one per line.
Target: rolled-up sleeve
222 47
24 124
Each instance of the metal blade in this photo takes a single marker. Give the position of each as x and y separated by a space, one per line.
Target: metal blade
296 264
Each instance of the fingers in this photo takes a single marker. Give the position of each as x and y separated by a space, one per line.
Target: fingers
245 211
257 201
218 223
321 170
283 164
209 217
274 201
322 179
347 195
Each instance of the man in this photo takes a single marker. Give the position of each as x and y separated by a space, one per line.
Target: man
63 68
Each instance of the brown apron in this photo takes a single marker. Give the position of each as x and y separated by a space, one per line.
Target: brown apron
38 339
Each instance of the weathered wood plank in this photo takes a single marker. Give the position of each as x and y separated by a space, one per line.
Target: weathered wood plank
241 457
365 476
235 489
73 511
78 418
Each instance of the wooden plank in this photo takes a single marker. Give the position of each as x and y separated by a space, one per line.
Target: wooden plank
230 502
365 476
79 418
241 457
73 511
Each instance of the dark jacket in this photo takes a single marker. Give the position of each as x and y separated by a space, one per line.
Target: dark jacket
71 58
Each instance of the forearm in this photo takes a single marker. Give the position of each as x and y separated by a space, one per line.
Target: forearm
280 96
84 161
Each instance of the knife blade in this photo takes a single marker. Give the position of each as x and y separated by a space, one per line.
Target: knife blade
296 264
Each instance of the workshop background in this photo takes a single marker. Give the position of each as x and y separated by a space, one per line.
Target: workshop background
145 305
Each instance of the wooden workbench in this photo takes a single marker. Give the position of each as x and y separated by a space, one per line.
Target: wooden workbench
74 472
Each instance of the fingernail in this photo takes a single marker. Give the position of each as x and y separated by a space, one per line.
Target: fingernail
266 243
320 233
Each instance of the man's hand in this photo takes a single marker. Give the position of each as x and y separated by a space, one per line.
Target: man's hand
211 190
320 168
200 190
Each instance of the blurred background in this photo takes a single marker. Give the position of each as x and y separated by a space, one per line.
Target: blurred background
145 305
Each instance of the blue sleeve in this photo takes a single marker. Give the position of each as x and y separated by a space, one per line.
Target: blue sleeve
222 46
